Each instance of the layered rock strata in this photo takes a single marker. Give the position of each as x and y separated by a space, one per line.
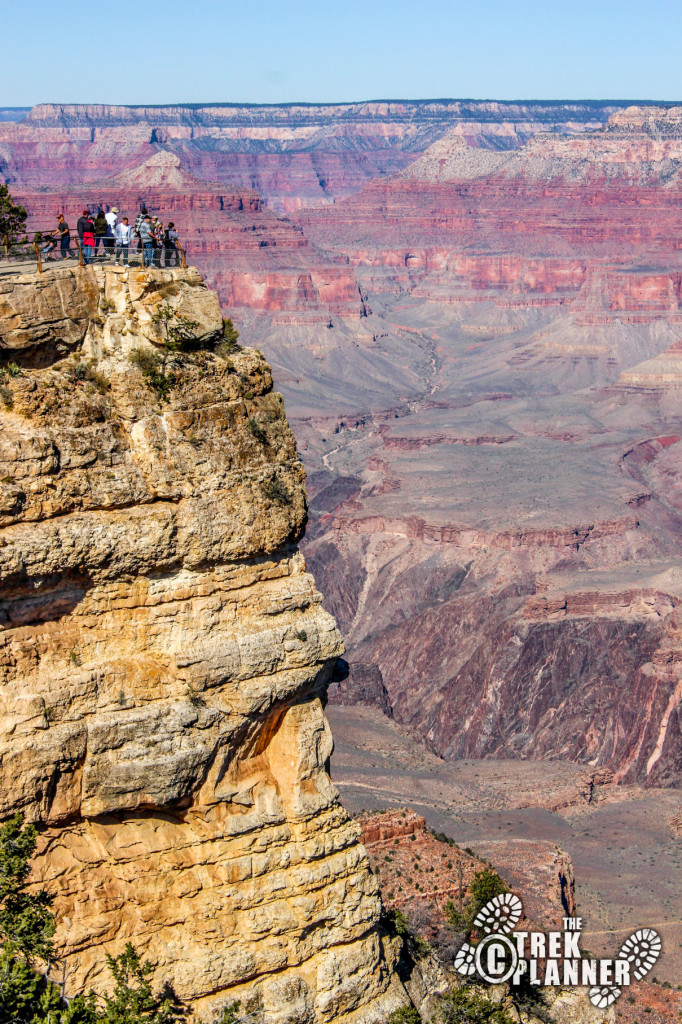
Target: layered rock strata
294 154
165 658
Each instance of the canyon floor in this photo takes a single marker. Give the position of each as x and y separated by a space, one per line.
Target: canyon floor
623 844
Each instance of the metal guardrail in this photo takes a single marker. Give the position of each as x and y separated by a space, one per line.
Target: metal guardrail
45 247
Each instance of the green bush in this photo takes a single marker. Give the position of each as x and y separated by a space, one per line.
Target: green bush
133 1001
152 366
395 921
12 216
229 1014
484 885
405 1015
228 343
26 921
84 372
275 490
257 431
467 1007
178 332
26 928
27 924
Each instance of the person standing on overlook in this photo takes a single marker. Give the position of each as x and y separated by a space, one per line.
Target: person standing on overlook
80 226
86 234
124 234
64 237
111 218
147 240
138 224
170 245
101 228
156 225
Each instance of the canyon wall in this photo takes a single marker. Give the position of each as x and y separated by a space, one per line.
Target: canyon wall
165 659
295 155
504 556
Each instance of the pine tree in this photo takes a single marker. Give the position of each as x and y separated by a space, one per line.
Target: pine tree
26 928
12 216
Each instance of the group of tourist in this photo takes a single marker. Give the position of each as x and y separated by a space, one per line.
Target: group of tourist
117 236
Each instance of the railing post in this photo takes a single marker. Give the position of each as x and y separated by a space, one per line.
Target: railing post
80 251
182 254
40 261
7 248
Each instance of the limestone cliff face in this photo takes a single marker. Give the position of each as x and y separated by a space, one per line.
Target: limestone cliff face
165 658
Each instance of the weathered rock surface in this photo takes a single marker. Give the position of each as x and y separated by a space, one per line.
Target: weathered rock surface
164 659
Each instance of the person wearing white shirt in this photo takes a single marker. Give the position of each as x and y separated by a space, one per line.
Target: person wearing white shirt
111 218
123 234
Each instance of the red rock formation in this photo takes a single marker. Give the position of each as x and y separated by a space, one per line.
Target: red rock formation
596 214
417 869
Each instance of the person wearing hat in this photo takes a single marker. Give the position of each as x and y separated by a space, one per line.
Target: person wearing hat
111 218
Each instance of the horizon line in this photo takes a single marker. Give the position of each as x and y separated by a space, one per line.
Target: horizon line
347 103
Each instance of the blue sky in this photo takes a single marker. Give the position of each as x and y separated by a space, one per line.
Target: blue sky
267 52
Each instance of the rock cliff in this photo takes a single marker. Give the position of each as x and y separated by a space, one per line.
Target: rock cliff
165 658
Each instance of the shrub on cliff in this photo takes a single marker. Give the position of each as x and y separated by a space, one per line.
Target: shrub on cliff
466 1007
178 332
27 924
275 490
133 1000
228 343
484 885
12 216
256 430
152 366
405 1015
